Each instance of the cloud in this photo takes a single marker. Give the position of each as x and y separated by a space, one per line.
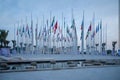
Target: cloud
12 11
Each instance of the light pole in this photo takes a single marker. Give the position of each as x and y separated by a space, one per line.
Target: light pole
113 44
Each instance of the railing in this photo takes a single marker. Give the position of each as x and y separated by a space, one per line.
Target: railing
51 64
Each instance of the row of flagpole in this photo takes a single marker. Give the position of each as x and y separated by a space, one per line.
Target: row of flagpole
66 36
95 36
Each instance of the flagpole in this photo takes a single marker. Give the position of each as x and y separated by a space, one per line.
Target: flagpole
26 35
21 36
93 32
72 34
106 37
62 35
50 34
36 34
98 37
18 38
83 34
90 39
101 37
32 34
43 36
47 28
14 31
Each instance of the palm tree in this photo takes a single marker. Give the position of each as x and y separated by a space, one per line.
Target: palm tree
14 43
3 36
6 42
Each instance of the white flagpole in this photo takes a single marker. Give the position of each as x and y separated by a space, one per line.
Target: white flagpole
93 32
26 34
62 35
32 34
36 34
101 37
74 35
18 38
98 37
43 36
83 34
14 31
106 37
50 34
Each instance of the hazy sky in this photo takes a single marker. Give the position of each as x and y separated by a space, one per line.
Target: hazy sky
13 11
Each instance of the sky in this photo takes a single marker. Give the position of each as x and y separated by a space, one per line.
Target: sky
13 12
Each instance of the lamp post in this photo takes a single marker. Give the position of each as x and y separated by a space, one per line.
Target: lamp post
103 48
96 47
14 43
113 44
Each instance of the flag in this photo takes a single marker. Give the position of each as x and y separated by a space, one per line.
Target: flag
39 34
89 30
74 33
81 35
60 30
23 30
32 27
64 22
82 25
86 35
68 30
53 21
97 28
27 27
93 34
28 32
101 25
17 32
36 31
73 24
55 27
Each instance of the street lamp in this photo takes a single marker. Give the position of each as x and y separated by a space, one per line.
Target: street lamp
113 44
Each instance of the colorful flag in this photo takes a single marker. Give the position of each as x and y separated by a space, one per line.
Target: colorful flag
89 30
64 22
97 28
86 35
55 27
17 32
93 35
82 25
23 30
39 34
36 33
53 21
20 32
27 27
73 24
68 30
28 32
